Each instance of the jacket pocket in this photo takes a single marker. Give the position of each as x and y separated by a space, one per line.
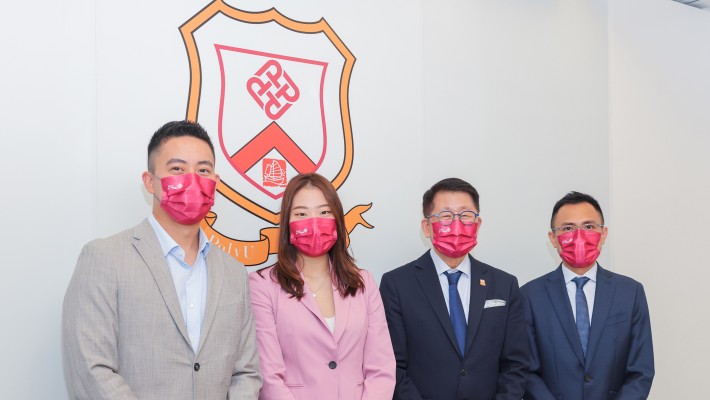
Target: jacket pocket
616 319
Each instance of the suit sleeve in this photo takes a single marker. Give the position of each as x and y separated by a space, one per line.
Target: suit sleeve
273 368
90 330
378 365
246 376
405 388
536 388
515 354
639 364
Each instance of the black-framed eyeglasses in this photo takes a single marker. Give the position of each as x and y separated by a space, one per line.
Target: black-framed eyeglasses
447 217
572 228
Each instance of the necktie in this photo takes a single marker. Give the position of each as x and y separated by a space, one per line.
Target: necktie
582 312
458 318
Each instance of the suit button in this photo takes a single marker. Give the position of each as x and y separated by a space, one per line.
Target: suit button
463 372
196 367
587 378
332 365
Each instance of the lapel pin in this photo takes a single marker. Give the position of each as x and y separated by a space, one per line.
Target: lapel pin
482 282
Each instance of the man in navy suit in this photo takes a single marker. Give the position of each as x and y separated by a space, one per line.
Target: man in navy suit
457 324
588 328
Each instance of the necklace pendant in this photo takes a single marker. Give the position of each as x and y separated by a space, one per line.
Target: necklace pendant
313 294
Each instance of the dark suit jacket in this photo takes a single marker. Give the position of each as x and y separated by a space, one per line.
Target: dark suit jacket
429 365
619 362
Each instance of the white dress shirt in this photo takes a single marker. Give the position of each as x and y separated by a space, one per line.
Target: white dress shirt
589 289
464 284
190 280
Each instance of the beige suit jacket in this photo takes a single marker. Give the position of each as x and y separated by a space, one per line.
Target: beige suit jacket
124 336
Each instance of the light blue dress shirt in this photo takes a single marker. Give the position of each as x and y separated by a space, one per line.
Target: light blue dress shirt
190 281
590 289
464 285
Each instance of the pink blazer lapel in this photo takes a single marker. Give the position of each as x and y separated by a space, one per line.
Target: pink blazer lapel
342 312
309 302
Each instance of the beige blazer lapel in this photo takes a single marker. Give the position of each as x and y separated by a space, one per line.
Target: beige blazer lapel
146 243
215 276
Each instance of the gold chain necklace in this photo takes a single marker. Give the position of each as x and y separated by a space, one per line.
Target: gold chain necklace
325 279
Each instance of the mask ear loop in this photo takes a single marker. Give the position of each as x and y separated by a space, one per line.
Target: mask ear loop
160 186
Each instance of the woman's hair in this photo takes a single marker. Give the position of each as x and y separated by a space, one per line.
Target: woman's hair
345 274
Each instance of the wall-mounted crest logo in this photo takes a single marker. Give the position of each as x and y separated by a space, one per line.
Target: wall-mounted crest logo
275 91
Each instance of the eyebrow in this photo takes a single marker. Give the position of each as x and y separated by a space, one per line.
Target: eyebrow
176 161
589 221
181 161
458 210
304 207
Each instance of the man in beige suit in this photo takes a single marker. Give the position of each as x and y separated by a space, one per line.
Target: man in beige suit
156 312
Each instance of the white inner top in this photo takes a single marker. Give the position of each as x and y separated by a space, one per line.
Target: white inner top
331 323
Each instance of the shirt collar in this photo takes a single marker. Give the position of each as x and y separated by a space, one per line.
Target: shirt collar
591 274
442 267
168 244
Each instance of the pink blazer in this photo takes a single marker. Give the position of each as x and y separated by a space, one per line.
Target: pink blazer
301 359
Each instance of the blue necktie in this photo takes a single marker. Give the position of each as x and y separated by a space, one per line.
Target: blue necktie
458 318
582 312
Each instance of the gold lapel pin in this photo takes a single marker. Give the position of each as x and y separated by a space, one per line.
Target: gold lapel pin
482 282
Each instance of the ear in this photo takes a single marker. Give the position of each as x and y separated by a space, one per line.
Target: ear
553 240
149 182
426 228
217 178
605 231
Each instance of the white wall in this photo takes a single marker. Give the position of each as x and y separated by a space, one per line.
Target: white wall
660 130
521 84
548 96
48 195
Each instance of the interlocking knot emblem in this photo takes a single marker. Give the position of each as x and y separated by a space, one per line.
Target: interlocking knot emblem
272 89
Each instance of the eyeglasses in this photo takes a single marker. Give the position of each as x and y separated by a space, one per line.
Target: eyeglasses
448 217
572 228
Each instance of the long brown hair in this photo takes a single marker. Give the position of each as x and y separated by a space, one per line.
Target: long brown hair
345 273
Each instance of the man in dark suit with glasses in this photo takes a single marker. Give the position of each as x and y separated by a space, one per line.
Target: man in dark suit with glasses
456 324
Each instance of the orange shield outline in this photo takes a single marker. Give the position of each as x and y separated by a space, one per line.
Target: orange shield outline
272 15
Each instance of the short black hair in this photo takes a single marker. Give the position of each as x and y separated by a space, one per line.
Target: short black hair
176 129
575 198
448 185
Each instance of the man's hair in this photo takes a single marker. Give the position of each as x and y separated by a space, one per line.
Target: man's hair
448 185
175 129
575 198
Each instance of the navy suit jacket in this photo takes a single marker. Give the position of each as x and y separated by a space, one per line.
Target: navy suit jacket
619 362
429 365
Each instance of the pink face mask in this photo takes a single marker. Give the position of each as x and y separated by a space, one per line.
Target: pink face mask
579 249
187 198
454 240
313 236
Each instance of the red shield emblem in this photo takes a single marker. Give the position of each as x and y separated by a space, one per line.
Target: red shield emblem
288 130
276 93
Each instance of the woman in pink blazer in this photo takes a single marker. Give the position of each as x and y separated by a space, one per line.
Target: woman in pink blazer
320 325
